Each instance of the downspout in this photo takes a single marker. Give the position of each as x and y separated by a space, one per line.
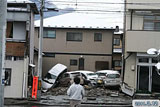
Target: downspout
112 49
25 72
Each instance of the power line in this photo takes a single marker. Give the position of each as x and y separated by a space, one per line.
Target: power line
142 3
92 10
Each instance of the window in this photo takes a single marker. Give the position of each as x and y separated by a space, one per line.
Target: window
155 60
97 36
73 62
7 76
16 58
151 22
144 60
9 31
8 57
74 36
116 41
46 54
48 33
117 63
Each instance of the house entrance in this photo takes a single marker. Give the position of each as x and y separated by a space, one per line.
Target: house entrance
147 75
143 78
81 63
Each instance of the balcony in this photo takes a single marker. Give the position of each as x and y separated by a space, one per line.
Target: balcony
15 49
141 41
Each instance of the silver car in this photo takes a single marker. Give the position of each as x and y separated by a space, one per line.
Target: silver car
112 78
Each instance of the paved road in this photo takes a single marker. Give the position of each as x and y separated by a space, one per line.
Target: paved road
68 106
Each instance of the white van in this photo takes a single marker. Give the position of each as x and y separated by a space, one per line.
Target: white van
50 79
112 78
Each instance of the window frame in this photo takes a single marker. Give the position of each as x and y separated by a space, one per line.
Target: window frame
9 77
119 63
155 20
115 41
73 62
9 30
74 34
45 33
97 39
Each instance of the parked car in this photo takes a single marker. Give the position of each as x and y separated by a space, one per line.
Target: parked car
101 76
50 79
66 78
89 75
111 77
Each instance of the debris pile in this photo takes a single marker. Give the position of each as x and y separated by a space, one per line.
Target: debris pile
89 91
59 91
99 91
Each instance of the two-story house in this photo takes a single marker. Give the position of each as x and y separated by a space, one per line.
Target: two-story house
19 47
76 40
142 32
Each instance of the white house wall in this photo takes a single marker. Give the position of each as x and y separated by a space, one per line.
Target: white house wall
16 88
130 71
17 16
141 41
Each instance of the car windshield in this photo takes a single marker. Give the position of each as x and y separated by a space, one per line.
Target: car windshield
101 74
113 75
50 76
91 74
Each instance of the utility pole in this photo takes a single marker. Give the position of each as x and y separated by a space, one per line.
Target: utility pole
3 15
123 42
39 73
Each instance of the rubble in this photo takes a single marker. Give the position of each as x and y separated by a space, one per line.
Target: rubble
89 91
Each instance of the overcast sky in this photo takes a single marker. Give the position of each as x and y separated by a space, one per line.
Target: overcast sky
110 11
101 9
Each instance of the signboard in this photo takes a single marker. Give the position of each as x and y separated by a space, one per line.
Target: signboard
34 87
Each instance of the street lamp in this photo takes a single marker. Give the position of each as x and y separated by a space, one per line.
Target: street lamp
153 51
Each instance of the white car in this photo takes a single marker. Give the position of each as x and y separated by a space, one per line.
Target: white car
50 79
112 78
89 75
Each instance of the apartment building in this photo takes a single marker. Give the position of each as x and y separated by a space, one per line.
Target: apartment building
19 47
142 32
76 42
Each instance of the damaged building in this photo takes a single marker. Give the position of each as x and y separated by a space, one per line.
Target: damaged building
19 47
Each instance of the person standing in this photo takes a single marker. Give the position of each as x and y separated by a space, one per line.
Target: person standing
76 93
